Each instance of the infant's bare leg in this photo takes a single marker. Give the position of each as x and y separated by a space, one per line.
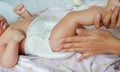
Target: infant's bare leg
65 28
21 11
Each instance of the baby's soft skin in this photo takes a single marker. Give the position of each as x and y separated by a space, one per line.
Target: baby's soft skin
9 43
12 37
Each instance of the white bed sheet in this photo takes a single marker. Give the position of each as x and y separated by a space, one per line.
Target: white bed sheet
37 64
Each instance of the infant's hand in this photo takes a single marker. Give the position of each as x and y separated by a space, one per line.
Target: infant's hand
17 35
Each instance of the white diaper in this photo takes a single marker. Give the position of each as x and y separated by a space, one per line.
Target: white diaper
37 39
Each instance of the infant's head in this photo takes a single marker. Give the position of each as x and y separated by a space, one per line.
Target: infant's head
3 24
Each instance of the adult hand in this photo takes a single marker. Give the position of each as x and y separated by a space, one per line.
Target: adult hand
91 42
111 18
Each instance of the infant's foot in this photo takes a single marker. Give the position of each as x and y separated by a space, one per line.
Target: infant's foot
21 11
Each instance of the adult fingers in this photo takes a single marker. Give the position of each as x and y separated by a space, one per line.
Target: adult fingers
76 39
97 21
107 17
84 32
84 56
80 50
114 18
118 23
73 45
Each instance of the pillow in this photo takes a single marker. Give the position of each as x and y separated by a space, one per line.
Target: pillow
6 10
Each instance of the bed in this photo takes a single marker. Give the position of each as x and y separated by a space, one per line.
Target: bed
31 63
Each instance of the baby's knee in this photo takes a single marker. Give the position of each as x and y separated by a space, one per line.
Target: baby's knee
17 35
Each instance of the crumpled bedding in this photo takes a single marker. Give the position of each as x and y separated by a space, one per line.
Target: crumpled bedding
98 63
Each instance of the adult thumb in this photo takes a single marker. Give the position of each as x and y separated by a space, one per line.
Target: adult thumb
84 32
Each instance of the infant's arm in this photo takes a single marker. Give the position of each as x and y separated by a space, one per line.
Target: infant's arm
9 57
67 26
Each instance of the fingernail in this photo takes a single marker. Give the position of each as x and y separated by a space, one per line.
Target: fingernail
113 8
78 60
60 47
98 16
78 31
61 41
62 51
90 7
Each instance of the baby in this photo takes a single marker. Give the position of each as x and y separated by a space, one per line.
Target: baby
33 35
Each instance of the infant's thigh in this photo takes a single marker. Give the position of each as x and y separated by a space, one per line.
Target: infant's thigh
17 35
